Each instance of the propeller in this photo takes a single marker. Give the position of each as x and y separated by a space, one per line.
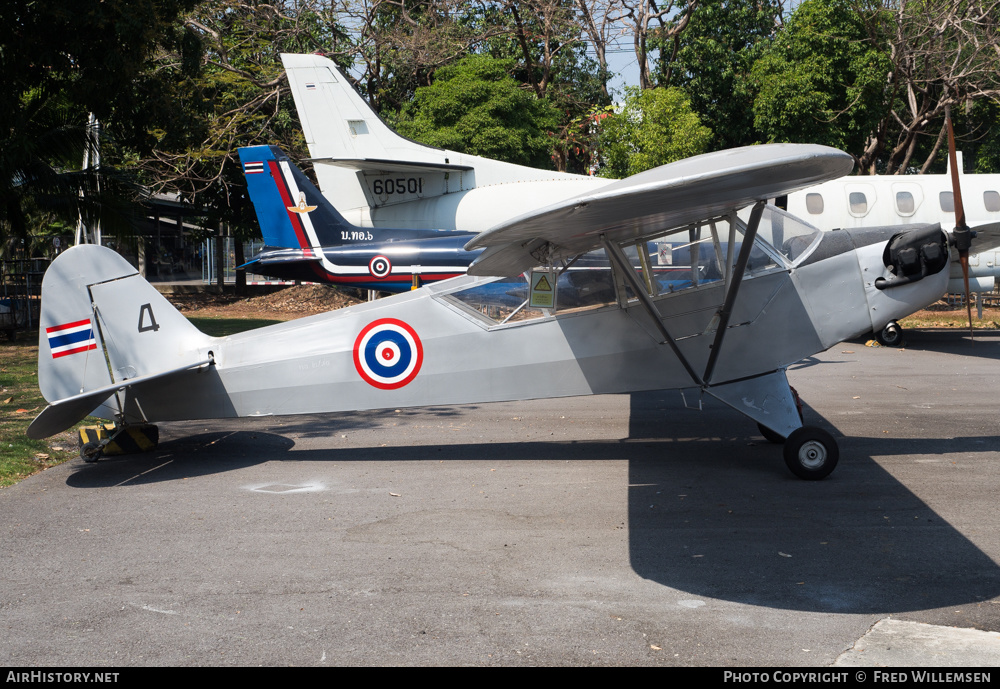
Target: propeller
962 234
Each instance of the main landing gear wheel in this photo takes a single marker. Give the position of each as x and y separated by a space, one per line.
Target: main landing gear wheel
811 453
891 335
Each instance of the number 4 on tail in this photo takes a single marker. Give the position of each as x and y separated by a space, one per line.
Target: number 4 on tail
146 319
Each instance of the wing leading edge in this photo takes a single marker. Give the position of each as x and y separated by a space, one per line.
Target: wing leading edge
668 196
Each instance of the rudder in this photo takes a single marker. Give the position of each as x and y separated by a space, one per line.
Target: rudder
102 326
292 212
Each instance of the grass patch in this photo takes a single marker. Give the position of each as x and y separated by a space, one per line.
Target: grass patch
949 319
220 327
20 402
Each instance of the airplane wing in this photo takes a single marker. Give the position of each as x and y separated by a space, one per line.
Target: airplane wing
987 237
668 196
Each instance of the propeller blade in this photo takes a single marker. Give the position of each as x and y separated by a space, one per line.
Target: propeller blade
962 235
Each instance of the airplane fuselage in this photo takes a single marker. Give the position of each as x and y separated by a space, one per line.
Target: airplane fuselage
386 266
433 347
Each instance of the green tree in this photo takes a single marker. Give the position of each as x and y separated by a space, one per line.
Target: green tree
822 80
653 127
475 106
714 59
52 74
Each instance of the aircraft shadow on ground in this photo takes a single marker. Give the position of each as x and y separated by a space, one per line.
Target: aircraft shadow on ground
955 341
711 512
732 522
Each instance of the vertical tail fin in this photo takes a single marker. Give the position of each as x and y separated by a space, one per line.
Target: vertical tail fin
354 151
292 212
103 328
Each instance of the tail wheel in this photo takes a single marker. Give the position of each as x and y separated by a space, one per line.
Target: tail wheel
811 453
91 452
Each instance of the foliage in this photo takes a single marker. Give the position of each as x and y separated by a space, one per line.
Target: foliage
52 73
223 86
20 402
821 80
985 150
714 59
653 127
874 77
476 107
544 39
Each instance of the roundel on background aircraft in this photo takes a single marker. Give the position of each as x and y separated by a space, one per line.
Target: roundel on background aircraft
388 353
380 267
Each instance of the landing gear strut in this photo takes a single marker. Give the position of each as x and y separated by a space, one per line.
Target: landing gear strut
774 436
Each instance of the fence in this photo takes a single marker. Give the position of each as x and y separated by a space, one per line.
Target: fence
209 269
20 293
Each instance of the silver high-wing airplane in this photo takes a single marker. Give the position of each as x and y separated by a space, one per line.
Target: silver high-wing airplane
727 302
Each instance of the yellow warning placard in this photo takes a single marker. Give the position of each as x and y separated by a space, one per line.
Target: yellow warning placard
543 289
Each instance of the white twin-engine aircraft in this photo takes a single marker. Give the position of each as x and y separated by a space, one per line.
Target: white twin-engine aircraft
734 293
379 179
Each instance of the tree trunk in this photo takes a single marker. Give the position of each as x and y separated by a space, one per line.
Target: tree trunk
220 257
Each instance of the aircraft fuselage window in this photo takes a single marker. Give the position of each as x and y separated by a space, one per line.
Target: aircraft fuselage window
991 199
947 201
814 203
904 203
858 202
586 282
501 301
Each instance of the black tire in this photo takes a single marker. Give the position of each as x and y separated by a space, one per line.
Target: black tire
811 453
891 335
91 452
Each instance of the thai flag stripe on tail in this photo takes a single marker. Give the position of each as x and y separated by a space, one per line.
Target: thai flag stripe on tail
70 338
253 168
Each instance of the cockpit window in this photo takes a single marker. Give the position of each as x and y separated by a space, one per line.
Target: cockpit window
674 261
790 236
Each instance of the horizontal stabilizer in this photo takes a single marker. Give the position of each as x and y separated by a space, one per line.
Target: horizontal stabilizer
62 414
277 256
378 165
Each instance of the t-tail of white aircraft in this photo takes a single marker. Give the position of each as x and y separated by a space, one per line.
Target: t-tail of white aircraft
103 329
376 177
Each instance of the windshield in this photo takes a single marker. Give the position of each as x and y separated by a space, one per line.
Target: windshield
791 237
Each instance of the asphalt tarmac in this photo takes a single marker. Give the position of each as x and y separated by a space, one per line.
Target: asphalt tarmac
612 530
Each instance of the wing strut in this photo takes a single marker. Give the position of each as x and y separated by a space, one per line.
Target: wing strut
734 287
619 258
